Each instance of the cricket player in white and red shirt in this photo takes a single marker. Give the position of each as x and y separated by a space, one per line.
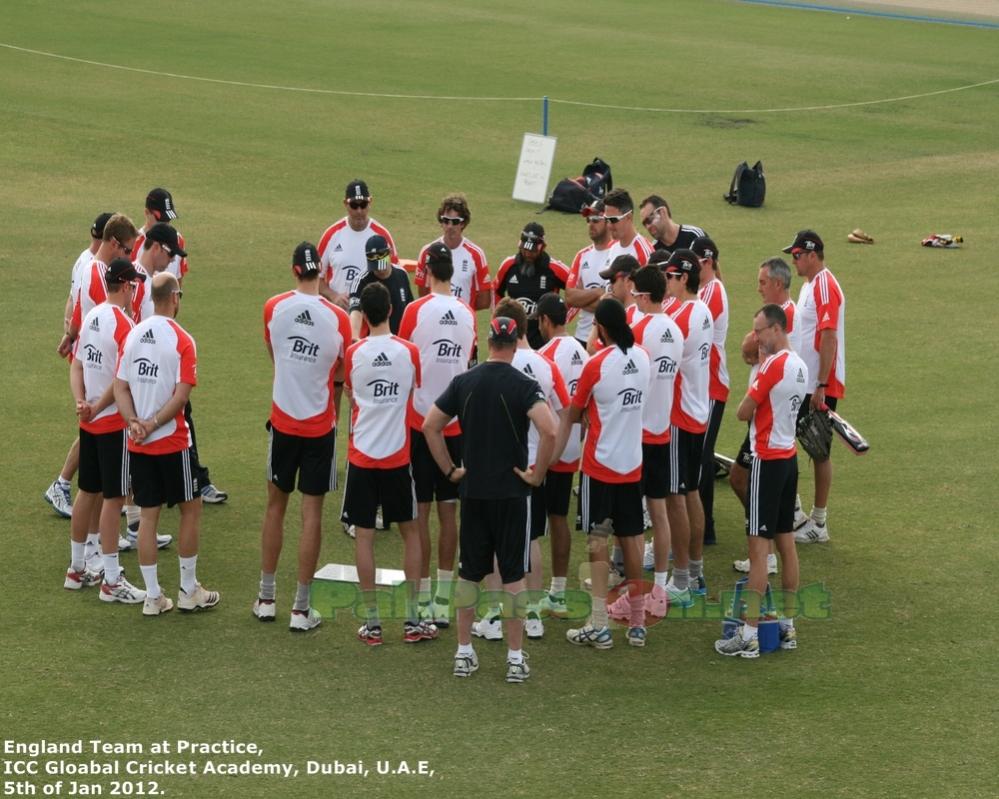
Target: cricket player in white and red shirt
771 406
612 391
160 247
569 357
662 338
443 329
103 480
689 418
619 211
381 371
821 320
307 337
156 372
160 210
471 281
712 293
585 288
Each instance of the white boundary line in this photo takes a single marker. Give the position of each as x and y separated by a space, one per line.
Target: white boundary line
302 89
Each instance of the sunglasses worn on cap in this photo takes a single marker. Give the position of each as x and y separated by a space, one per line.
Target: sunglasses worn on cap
356 204
450 220
615 219
592 219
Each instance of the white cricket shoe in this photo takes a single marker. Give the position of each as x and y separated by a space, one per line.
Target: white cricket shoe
812 533
742 566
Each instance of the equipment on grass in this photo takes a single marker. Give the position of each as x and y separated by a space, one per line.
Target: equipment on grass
815 434
943 240
857 236
749 186
571 195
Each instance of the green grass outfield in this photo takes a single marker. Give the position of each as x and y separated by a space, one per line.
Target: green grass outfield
894 695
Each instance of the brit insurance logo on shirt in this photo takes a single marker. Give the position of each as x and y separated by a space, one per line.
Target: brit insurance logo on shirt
447 351
350 273
94 356
527 303
666 366
384 392
146 370
303 350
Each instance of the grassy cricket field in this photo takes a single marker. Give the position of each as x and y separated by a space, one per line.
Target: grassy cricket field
256 115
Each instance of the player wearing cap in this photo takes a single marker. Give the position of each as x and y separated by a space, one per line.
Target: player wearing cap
307 337
341 248
58 492
380 269
103 480
771 406
159 208
380 372
773 282
689 421
569 357
619 211
821 318
471 281
617 276
443 329
712 293
666 234
529 274
612 392
541 369
156 372
160 247
585 288
495 404
660 336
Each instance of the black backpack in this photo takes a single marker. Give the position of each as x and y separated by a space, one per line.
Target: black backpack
749 186
572 194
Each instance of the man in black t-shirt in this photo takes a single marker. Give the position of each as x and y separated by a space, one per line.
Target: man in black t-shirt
495 404
528 275
666 234
380 270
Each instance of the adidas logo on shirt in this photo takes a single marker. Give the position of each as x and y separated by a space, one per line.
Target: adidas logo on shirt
95 325
576 359
381 360
448 319
304 318
528 370
801 377
513 279
667 338
630 369
338 248
706 324
147 338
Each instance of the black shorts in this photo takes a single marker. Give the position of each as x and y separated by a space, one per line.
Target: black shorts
538 510
312 459
773 486
159 479
618 503
655 470
806 406
431 482
365 490
494 528
558 492
685 454
745 456
103 463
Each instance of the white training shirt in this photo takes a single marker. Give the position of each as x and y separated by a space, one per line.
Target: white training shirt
714 296
662 338
690 398
585 274
471 272
569 357
778 390
341 253
101 341
540 369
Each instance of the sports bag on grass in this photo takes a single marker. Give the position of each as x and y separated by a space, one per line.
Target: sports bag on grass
571 194
749 186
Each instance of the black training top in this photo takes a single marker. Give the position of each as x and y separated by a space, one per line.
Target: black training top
399 290
492 401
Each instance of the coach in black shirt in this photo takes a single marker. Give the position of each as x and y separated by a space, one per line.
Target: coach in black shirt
380 270
495 404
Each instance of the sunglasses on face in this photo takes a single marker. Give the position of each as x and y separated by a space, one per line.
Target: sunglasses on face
357 204
639 293
591 220
798 255
450 220
179 293
615 219
674 275
651 217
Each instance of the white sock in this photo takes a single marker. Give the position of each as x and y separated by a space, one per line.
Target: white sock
77 551
660 579
424 595
598 615
112 569
515 656
749 633
444 579
93 543
617 556
771 560
786 624
59 481
695 569
132 514
188 574
465 650
268 586
302 597
150 579
819 516
558 586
